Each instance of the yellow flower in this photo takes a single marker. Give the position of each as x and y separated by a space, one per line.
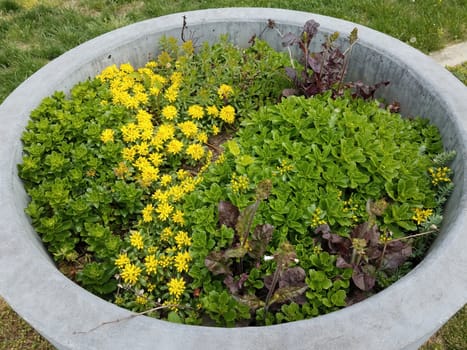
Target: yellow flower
149 174
188 128
166 179
422 215
174 147
131 273
176 78
156 159
157 142
141 163
227 114
316 219
151 263
195 151
182 239
239 183
166 234
169 112
151 64
146 131
202 137
161 196
196 111
215 130
164 210
165 261
147 213
142 148
141 300
181 261
212 111
177 217
171 93
107 135
121 170
136 240
130 132
176 287
150 287
439 175
165 132
224 91
182 174
127 68
176 192
285 167
108 73
187 47
129 153
122 260
188 185
143 117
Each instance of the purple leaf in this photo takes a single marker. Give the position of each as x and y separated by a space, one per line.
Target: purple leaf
260 240
216 263
228 214
342 263
310 28
235 285
291 73
363 277
289 39
397 252
293 276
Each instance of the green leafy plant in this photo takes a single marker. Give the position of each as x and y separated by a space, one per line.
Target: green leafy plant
188 190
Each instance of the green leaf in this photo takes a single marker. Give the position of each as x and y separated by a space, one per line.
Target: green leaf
284 294
174 317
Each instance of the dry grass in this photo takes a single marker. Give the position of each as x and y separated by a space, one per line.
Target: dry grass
16 334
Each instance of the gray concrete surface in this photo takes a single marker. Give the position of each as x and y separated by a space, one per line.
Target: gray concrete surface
400 317
452 55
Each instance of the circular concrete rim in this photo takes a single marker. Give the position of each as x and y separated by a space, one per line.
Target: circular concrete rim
400 317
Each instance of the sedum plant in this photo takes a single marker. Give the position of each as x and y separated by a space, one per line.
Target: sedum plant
191 190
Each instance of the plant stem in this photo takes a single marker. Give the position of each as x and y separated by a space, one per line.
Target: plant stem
275 279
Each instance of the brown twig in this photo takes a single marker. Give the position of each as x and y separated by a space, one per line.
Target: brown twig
126 318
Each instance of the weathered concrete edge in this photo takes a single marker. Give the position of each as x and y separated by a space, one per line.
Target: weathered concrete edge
145 332
452 55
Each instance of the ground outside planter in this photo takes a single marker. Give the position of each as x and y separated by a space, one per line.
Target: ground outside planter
403 316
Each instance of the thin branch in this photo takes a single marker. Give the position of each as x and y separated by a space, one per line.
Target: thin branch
413 236
126 318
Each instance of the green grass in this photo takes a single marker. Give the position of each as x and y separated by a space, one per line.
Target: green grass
34 32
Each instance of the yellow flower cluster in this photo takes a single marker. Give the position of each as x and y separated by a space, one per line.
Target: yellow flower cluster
107 135
351 207
239 183
316 218
160 131
284 167
421 215
136 240
224 91
176 287
131 273
439 175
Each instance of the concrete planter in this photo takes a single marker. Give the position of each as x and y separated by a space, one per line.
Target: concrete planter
401 317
